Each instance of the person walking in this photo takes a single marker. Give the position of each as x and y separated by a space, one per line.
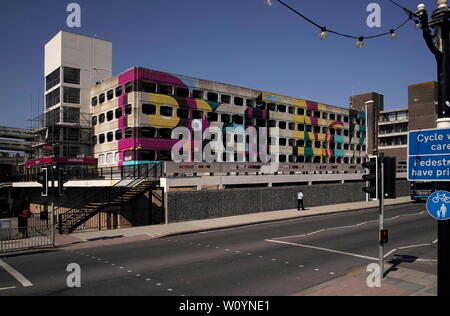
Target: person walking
300 201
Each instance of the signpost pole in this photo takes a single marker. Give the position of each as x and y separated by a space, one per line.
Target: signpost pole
381 212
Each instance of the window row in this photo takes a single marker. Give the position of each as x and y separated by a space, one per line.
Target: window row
150 87
70 76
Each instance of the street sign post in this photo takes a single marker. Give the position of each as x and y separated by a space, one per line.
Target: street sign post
429 155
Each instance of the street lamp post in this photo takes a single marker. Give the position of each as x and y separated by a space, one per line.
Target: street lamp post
439 45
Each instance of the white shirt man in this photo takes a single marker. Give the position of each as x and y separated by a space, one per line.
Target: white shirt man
300 201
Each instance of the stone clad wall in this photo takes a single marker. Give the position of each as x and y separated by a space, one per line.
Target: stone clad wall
186 206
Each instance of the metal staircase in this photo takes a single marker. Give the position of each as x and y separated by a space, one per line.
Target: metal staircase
141 179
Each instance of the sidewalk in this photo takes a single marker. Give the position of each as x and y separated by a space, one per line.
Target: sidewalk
111 237
401 281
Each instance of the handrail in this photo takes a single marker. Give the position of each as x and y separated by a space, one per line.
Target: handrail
98 196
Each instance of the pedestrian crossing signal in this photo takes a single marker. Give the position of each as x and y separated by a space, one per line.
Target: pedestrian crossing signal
384 236
371 177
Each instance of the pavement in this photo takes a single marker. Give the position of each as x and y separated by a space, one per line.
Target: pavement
331 260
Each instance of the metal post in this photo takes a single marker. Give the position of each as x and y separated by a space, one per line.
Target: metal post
441 51
381 215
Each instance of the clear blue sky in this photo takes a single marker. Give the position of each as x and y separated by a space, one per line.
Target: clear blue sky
240 42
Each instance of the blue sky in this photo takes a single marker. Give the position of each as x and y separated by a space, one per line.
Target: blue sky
240 42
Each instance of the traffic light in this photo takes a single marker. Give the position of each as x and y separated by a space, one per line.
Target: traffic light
384 236
43 180
371 177
390 177
62 179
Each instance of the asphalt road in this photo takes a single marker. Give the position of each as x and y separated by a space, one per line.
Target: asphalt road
274 259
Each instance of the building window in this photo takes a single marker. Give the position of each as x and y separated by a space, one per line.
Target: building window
301 127
213 97
282 108
110 116
94 101
110 137
128 109
282 125
165 133
238 101
148 132
110 95
183 114
224 98
101 118
128 133
325 116
271 107
225 118
53 79
213 117
119 134
317 114
119 91
292 126
283 141
197 115
251 103
129 87
148 87
237 119
71 75
317 144
182 92
101 159
94 120
118 113
149 109
261 105
198 94
316 129
101 98
53 98
166 111
300 111
71 115
101 138
165 89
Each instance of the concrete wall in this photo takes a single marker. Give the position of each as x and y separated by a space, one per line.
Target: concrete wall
185 206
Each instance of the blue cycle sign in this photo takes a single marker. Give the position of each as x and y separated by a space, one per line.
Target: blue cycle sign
429 155
438 205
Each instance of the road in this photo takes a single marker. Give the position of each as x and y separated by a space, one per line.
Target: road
272 259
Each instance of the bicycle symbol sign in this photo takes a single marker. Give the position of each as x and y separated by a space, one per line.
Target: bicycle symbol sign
438 205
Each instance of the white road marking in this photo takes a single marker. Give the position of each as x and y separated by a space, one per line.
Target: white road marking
7 288
323 249
345 227
16 274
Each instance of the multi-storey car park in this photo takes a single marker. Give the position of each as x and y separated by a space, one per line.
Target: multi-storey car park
134 114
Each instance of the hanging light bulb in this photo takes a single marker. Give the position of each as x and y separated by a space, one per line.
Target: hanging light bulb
324 34
360 42
393 35
268 3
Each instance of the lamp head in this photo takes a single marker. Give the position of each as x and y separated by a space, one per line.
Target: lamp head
442 4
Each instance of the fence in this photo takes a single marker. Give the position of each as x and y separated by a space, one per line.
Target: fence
13 239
